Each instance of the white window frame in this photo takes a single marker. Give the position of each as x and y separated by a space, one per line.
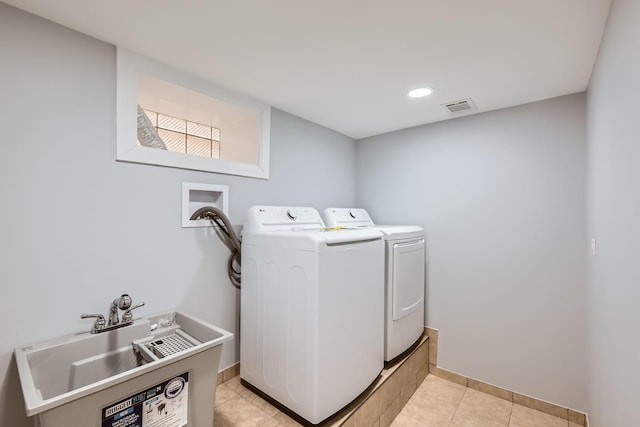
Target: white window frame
130 67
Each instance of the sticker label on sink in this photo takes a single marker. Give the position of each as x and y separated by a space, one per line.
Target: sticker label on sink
163 405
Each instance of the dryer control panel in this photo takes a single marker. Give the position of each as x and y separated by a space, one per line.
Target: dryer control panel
347 217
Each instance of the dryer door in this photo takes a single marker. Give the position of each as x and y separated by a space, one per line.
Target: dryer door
408 277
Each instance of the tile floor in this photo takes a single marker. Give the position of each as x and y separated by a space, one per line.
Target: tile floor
436 403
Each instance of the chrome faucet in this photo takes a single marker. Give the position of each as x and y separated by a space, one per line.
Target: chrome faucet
98 325
121 303
127 317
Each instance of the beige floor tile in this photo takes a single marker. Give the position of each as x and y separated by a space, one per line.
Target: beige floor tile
439 380
390 413
430 413
224 393
235 385
338 421
389 391
490 389
407 389
576 417
404 420
267 407
271 422
367 414
448 375
541 405
486 406
231 372
435 388
238 411
465 419
285 420
422 373
348 422
421 355
437 402
522 416
433 345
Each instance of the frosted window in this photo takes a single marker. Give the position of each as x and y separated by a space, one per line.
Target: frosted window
197 129
184 136
172 123
215 149
176 142
198 146
152 116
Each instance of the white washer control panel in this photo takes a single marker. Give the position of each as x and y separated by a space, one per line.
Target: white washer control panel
275 218
292 214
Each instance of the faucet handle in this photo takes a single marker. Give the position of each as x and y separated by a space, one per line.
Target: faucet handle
127 316
99 324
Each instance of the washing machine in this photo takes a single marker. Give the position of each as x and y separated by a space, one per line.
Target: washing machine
404 277
311 324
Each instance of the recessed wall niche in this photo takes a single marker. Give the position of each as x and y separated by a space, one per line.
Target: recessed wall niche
170 118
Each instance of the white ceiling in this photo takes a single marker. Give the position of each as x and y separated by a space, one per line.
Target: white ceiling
348 64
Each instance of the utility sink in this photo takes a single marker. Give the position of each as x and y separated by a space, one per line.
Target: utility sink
75 378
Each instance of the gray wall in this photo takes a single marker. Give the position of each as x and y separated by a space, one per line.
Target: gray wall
501 195
614 212
79 228
502 198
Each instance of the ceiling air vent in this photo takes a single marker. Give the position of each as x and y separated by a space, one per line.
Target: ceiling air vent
462 106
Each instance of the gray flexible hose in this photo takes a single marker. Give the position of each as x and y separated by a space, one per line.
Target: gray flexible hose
228 237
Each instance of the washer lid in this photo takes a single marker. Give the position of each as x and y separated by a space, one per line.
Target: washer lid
310 240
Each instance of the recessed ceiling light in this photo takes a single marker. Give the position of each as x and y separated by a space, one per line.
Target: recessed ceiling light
420 92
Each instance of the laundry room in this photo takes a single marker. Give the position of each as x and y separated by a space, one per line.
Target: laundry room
527 206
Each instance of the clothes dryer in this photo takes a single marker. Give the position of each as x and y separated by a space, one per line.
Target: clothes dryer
404 274
312 316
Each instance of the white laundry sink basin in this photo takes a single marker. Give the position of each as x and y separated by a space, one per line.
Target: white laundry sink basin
80 375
